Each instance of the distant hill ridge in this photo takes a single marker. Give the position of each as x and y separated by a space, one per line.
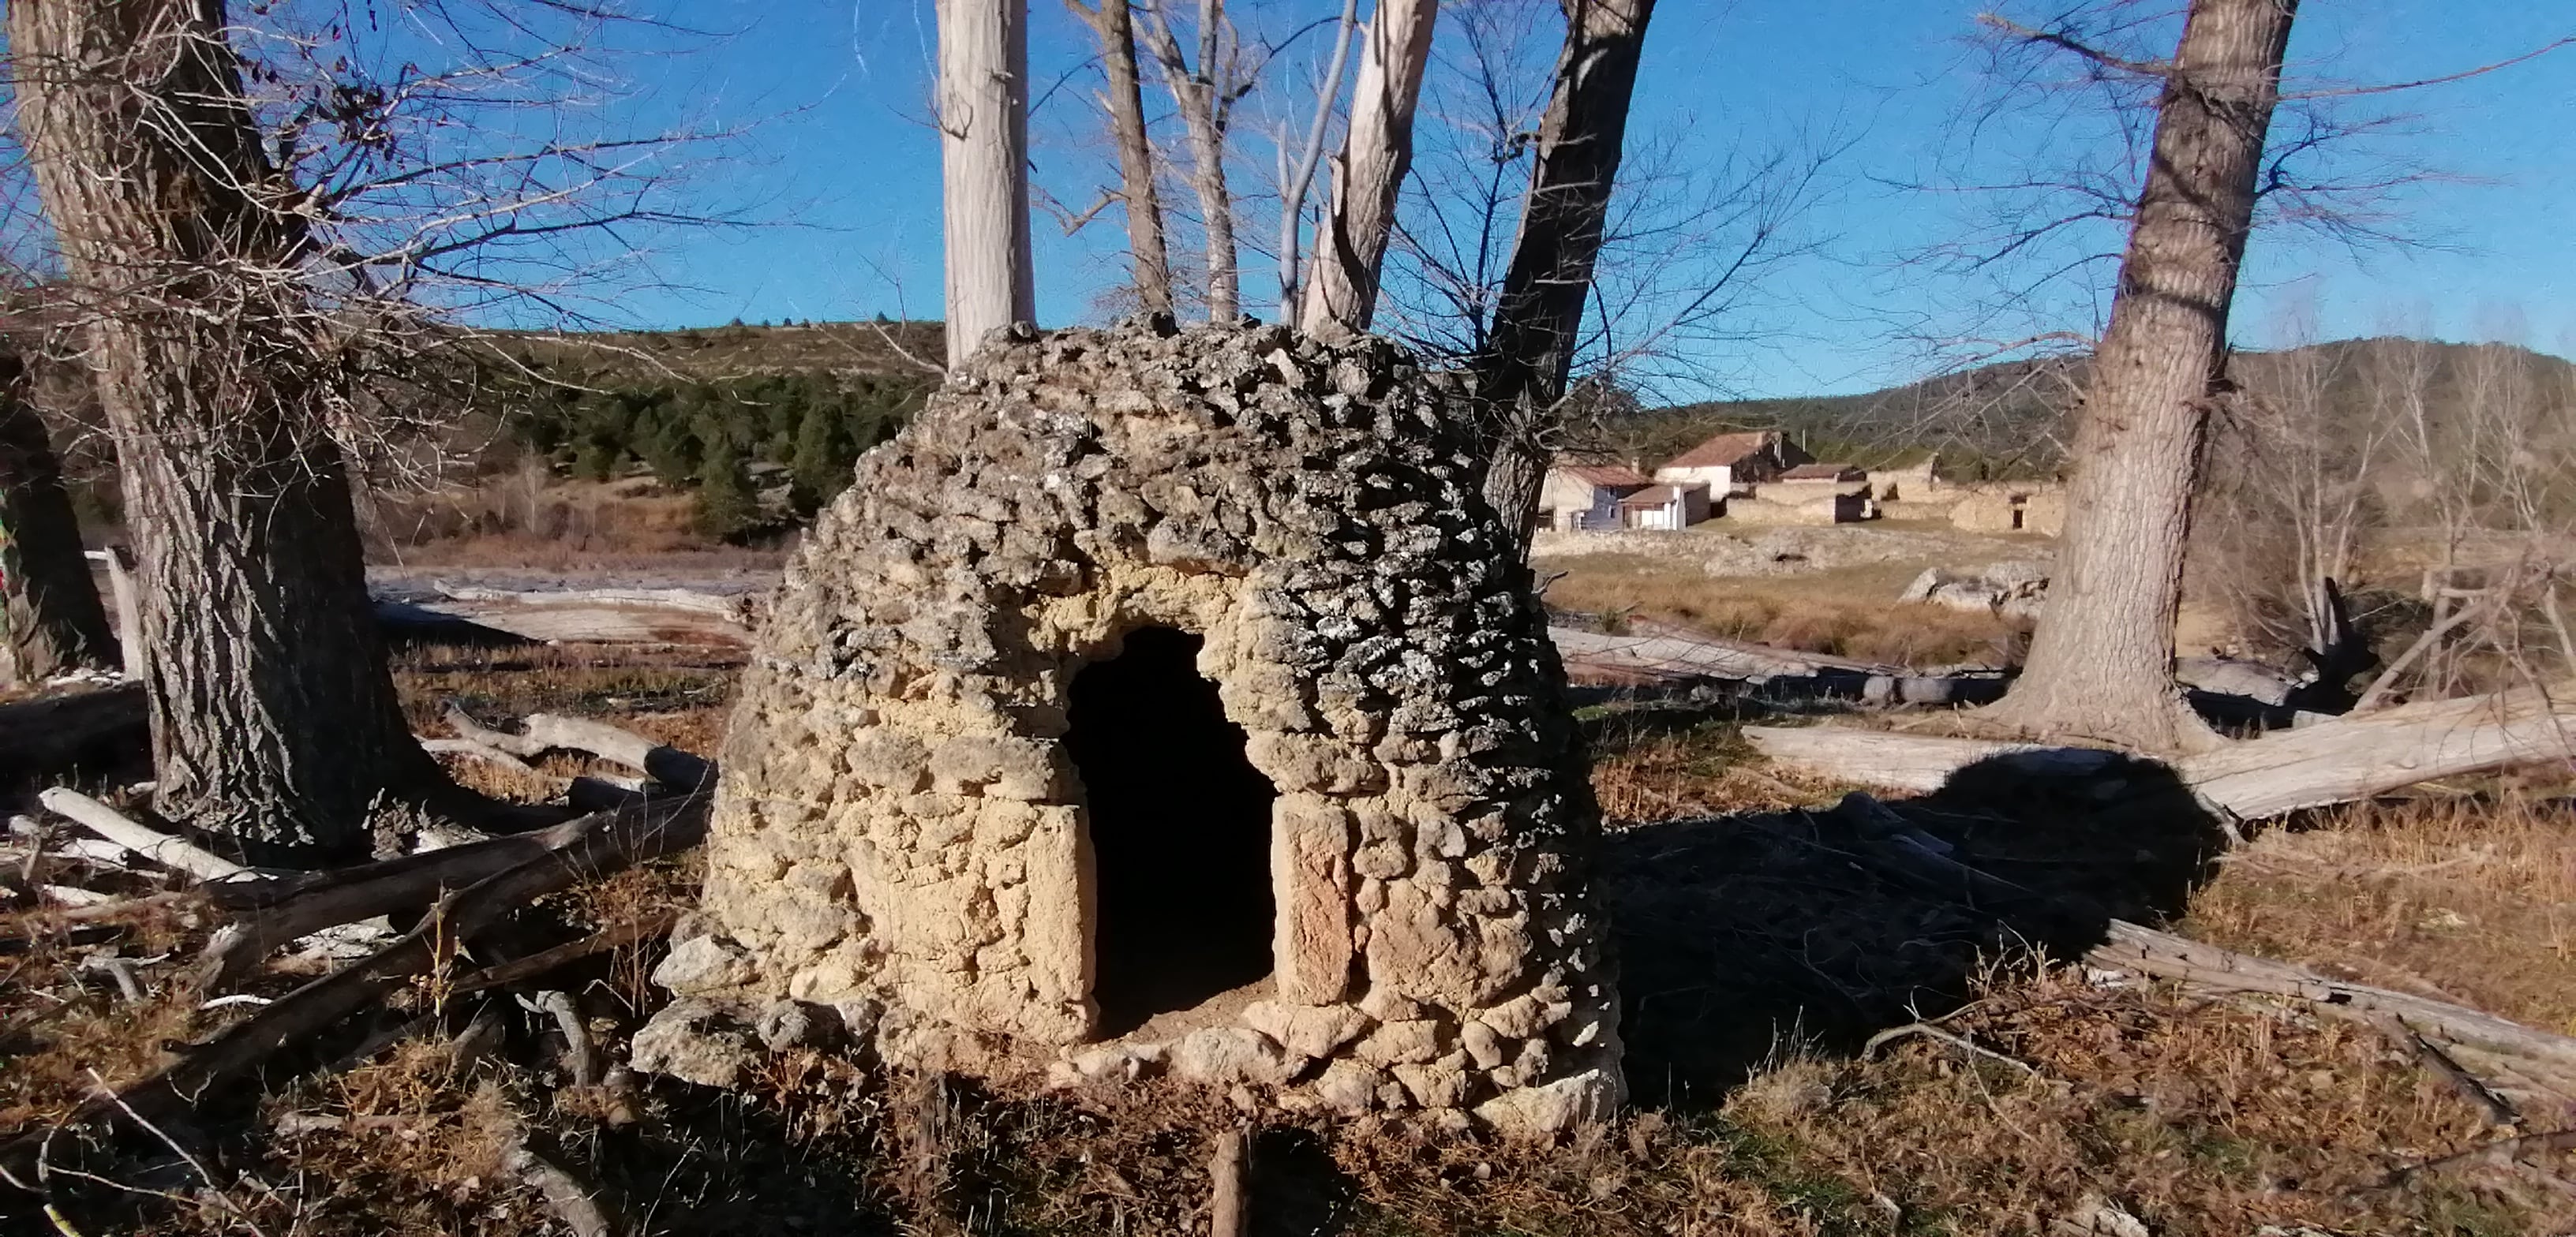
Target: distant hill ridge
2009 419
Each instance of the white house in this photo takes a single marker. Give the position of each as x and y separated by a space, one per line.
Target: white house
1729 462
1580 496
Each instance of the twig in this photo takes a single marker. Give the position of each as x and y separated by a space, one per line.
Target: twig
1960 1042
2499 1154
564 1194
477 750
517 970
1228 1212
2470 1086
122 972
579 1060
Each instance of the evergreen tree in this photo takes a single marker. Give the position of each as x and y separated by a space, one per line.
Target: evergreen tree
821 468
727 505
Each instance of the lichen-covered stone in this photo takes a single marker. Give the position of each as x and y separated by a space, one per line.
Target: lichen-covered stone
899 828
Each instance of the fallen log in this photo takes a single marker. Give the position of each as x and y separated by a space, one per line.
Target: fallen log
273 913
2362 755
2508 1057
552 732
2331 761
42 738
1915 762
161 848
604 844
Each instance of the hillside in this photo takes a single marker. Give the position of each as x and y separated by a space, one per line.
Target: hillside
2009 419
736 351
760 423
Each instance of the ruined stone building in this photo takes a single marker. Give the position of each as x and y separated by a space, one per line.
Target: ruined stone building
1162 708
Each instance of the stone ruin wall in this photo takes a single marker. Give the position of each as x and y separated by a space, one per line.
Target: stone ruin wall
900 835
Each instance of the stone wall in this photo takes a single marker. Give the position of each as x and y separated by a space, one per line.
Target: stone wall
900 834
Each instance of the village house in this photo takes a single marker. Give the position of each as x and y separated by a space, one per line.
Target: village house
1839 491
1665 506
1577 497
1729 462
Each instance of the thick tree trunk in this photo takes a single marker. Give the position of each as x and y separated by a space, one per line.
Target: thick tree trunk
984 168
2101 664
1149 263
1341 291
274 718
1530 350
1203 103
53 623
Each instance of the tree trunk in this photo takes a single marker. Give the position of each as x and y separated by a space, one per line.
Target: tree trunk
1530 350
1203 104
53 622
984 168
2101 664
1341 292
274 718
1150 265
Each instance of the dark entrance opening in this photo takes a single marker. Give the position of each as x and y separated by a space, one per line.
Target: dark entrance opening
1180 832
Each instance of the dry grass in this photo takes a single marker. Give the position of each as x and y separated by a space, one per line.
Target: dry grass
1756 956
2471 900
1847 612
536 519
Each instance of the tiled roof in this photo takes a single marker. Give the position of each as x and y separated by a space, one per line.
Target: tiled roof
1823 472
1725 449
1651 496
1609 475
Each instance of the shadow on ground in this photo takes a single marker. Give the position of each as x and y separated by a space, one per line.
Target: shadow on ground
1742 935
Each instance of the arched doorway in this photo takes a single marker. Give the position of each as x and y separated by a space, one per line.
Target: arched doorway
1180 832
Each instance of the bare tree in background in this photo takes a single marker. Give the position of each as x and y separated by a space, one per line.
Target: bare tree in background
2479 460
1377 153
253 249
53 623
1205 92
984 168
1676 283
1530 350
1113 22
2101 663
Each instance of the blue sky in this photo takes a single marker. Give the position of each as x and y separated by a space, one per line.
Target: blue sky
842 169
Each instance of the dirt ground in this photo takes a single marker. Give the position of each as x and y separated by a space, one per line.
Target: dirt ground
1763 971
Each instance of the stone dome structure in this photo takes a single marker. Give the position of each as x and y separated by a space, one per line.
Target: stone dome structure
1164 703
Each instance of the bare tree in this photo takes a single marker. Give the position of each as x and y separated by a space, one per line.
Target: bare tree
164 199
1297 176
2100 665
984 168
2479 471
256 251
1530 350
53 623
1113 23
1377 154
1205 93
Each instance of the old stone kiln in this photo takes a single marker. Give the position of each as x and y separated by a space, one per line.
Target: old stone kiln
1165 702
